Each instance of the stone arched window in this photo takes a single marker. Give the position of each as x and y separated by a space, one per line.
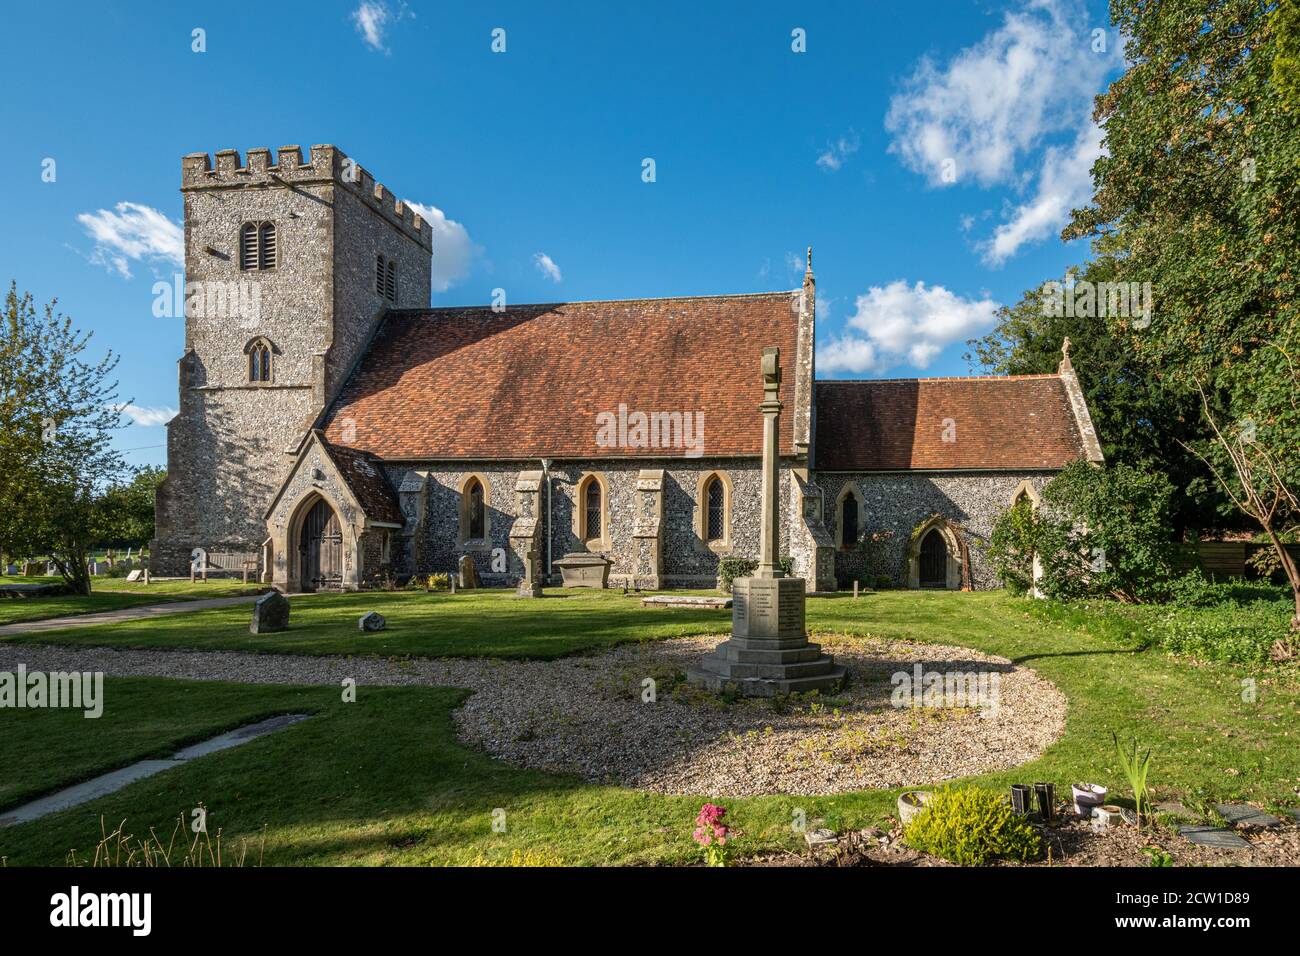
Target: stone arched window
713 511
848 518
475 510
591 512
1025 491
259 351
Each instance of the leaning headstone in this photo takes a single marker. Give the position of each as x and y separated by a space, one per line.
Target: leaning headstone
136 575
371 621
468 573
270 613
32 570
11 570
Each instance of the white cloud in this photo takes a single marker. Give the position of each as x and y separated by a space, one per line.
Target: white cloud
372 20
899 323
133 232
146 416
452 247
1065 183
547 267
996 100
833 157
1006 98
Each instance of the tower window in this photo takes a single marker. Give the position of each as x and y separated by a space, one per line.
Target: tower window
257 246
259 362
385 278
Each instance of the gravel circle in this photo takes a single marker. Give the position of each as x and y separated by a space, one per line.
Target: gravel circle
585 715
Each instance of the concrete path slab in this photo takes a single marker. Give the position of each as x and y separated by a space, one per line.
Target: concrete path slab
1239 814
115 780
122 614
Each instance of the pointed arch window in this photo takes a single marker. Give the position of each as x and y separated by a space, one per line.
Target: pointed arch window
849 520
258 246
716 498
259 352
476 510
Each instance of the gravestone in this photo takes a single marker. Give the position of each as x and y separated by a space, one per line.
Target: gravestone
32 570
135 575
11 570
468 574
270 613
768 653
1216 837
371 621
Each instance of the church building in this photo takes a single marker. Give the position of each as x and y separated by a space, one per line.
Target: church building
340 432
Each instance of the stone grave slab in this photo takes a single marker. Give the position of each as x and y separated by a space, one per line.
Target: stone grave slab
1241 815
1216 837
371 621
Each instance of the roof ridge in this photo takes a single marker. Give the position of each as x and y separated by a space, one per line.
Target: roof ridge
666 298
937 378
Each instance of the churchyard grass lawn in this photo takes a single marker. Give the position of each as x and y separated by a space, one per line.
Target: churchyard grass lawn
111 594
482 623
384 780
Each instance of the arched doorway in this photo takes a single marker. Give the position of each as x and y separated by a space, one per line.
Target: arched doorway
320 549
933 572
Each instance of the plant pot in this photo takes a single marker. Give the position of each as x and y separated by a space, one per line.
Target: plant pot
911 803
1022 799
1107 816
1087 796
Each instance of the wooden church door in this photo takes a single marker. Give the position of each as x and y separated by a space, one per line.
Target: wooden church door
321 549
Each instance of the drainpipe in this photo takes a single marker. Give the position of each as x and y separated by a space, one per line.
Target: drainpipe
546 476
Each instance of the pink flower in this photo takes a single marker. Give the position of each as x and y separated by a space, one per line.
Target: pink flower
709 825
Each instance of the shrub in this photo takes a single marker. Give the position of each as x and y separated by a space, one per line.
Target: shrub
971 826
1016 534
1102 532
730 568
884 582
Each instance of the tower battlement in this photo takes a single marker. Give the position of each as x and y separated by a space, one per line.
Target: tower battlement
326 164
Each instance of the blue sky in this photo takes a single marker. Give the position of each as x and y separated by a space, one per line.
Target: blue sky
927 152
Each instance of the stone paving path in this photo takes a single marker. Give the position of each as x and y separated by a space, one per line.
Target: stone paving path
115 780
122 614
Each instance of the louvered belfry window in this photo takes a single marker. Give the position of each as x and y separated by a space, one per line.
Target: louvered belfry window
390 282
248 246
257 246
266 246
593 509
717 504
379 275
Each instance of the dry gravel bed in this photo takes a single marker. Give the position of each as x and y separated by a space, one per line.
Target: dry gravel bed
585 715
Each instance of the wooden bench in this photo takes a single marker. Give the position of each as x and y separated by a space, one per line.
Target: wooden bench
225 562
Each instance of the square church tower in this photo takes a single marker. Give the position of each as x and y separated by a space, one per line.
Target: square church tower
288 268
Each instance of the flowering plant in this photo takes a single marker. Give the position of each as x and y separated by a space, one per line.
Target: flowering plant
711 834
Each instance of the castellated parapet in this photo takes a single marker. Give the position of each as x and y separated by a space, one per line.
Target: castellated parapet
326 164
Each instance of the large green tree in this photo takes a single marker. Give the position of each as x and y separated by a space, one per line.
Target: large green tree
1199 194
126 509
57 415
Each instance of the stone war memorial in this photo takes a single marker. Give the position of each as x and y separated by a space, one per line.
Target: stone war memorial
768 653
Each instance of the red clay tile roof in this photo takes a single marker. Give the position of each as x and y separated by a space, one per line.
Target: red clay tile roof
1014 422
529 382
365 476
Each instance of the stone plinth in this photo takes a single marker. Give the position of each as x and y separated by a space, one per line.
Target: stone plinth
768 653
